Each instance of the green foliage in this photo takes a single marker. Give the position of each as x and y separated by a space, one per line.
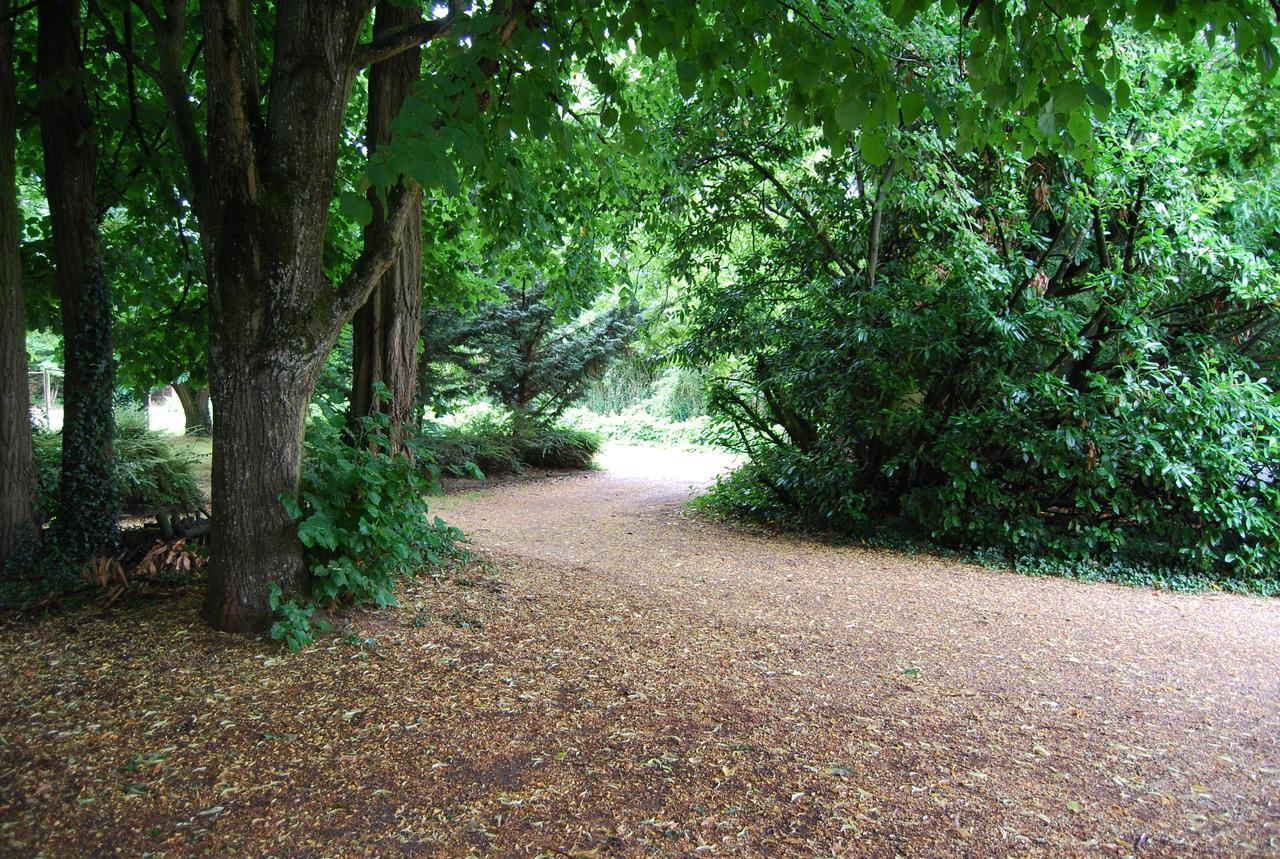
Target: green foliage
669 393
1059 357
628 381
559 447
637 425
362 516
679 395
482 446
531 362
746 494
485 446
152 474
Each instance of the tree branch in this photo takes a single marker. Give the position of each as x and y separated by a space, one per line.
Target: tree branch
379 254
406 38
14 13
877 212
801 209
1136 216
170 32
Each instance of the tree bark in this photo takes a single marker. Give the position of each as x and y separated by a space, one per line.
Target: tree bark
386 328
88 498
17 467
274 312
196 414
257 455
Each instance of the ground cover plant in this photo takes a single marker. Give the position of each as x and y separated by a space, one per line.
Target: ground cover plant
154 475
485 445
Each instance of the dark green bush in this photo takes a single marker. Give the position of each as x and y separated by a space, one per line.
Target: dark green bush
486 446
1064 357
362 516
559 447
483 446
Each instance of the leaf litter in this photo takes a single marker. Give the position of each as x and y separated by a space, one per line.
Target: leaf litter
613 677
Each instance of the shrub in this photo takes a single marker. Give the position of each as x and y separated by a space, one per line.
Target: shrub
1070 359
560 447
679 395
154 475
482 446
486 446
635 425
628 381
362 516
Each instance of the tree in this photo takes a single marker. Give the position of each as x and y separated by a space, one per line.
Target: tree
197 416
17 466
385 329
261 183
531 361
87 495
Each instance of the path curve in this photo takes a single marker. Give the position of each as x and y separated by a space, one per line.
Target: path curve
961 710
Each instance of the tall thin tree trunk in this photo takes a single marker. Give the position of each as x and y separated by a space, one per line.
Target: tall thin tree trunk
88 497
17 467
197 417
385 330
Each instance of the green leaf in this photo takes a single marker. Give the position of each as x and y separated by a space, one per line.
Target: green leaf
1123 95
912 105
849 113
1099 98
1068 97
1080 126
356 207
873 148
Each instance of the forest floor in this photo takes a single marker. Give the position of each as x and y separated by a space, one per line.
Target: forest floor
614 676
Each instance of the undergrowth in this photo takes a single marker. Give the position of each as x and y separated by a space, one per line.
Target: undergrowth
636 425
485 446
152 472
362 516
740 497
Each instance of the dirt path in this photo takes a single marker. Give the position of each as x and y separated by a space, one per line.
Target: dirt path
621 679
967 709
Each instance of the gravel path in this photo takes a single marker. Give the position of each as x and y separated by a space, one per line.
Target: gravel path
968 710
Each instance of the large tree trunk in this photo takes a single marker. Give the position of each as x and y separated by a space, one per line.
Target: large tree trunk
196 415
385 330
261 192
264 210
257 455
88 497
17 467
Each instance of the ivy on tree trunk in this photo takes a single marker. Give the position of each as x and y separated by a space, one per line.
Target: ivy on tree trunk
88 502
